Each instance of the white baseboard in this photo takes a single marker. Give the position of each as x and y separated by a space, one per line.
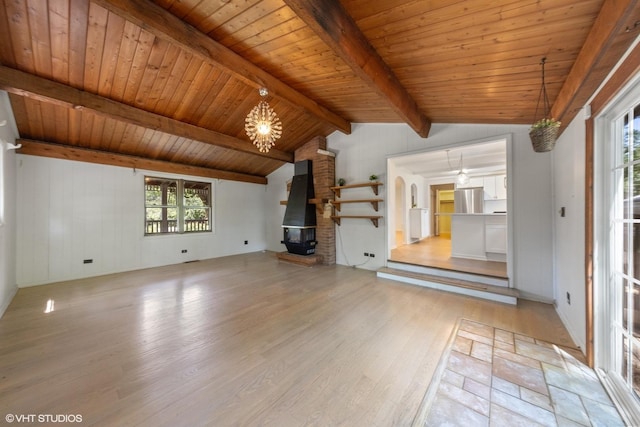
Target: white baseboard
574 336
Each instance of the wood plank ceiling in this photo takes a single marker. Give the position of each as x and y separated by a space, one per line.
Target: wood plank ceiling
167 84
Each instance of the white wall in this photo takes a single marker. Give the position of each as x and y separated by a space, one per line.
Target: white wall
8 134
276 190
569 192
365 151
71 211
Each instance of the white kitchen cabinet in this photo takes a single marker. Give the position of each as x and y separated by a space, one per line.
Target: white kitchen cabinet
495 234
479 236
419 223
495 187
476 181
467 236
489 184
495 238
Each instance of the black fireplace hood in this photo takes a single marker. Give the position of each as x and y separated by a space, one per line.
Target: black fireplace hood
299 212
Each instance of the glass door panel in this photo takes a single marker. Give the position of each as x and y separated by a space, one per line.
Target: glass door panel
625 249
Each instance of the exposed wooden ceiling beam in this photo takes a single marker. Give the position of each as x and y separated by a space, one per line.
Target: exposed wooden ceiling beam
615 28
163 24
336 28
58 151
25 84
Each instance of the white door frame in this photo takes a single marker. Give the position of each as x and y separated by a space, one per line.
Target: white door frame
607 249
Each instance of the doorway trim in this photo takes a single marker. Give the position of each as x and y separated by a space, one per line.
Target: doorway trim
400 218
392 174
433 212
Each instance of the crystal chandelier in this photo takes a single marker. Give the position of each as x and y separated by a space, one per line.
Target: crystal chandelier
263 125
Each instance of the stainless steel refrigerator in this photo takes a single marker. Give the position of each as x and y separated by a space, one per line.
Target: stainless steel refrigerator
468 200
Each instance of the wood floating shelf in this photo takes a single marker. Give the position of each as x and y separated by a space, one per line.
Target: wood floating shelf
374 203
374 186
374 219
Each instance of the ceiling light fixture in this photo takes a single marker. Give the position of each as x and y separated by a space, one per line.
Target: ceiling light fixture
462 179
263 125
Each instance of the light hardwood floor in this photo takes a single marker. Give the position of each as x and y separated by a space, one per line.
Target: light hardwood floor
241 340
436 252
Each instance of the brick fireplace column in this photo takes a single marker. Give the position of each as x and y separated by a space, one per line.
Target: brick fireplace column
324 175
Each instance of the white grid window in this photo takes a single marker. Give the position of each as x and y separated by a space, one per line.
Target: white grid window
176 206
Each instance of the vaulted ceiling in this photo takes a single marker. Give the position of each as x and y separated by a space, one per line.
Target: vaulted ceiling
166 84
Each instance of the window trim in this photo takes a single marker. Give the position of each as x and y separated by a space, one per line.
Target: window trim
179 206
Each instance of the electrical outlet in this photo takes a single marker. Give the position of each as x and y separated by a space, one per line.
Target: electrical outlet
372 255
568 298
184 251
87 261
246 242
366 254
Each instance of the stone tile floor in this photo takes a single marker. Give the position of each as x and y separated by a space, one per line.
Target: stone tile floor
493 377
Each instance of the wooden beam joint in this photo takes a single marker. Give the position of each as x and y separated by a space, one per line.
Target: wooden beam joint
331 22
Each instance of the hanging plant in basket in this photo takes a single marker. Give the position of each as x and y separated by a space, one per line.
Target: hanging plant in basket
544 132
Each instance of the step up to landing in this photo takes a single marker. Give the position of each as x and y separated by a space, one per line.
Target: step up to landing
451 274
465 287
